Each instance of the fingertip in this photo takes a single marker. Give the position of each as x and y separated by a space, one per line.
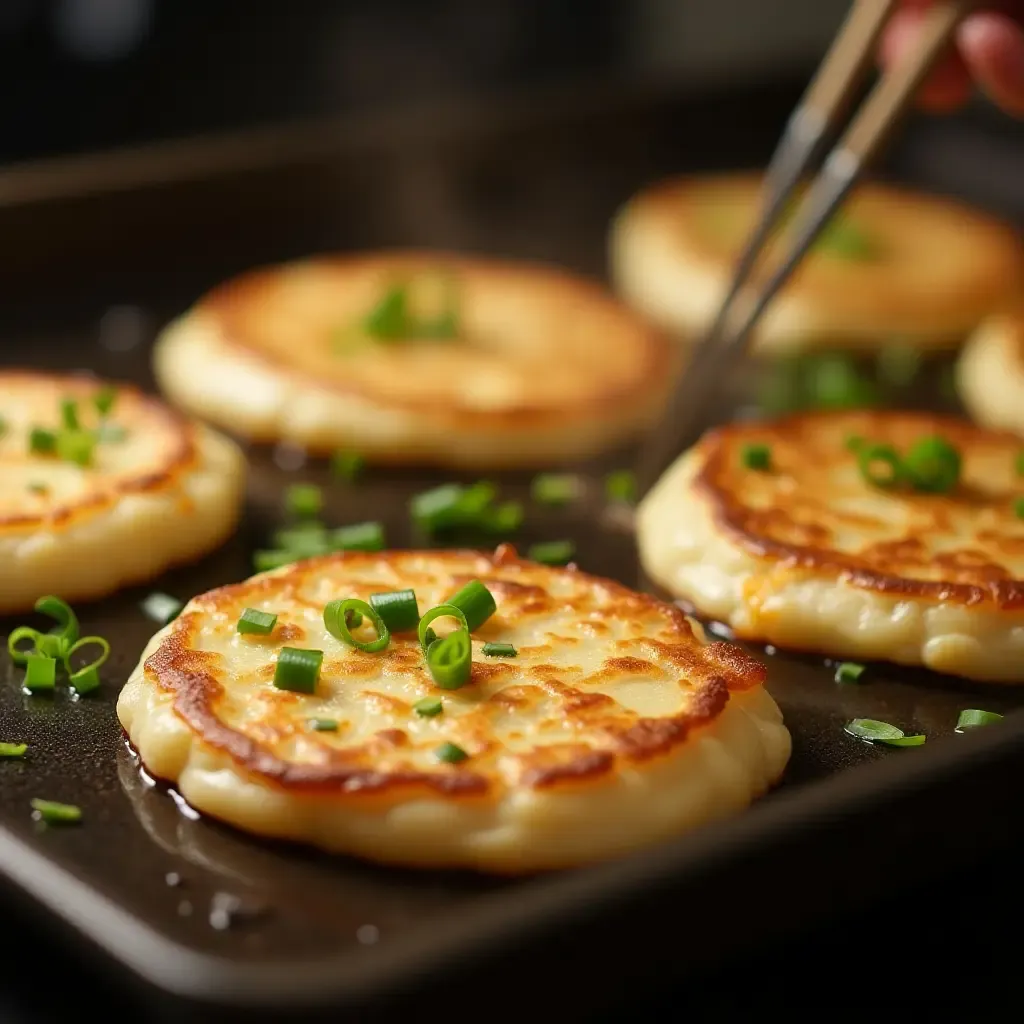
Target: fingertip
992 46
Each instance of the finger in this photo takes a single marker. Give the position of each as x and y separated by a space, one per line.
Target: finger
949 84
993 49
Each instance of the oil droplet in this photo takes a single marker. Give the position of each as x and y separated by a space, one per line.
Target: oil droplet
227 909
368 934
770 650
173 879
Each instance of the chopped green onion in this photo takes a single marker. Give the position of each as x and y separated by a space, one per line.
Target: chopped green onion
398 609
298 669
971 718
54 813
87 678
1018 508
358 537
426 635
75 446
898 365
19 655
848 672
336 619
477 602
450 753
104 400
841 237
854 443
13 749
880 465
882 732
500 651
304 540
757 456
304 501
69 414
51 645
161 607
556 488
58 609
552 552
834 382
264 561
428 707
42 442
40 672
253 620
1020 464
620 486
450 660
503 519
347 465
324 724
389 320
452 505
933 465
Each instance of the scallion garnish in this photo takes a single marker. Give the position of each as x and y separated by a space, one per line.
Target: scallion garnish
453 505
881 732
1018 507
104 400
428 707
854 443
450 753
337 622
324 724
86 678
849 672
556 488
253 620
1019 464
298 669
69 414
53 813
757 456
842 237
76 446
40 672
477 602
503 519
264 561
13 749
499 651
303 541
42 442
972 718
67 622
18 654
880 465
347 465
552 552
932 465
621 486
304 501
161 607
450 660
835 382
358 537
426 635
398 609
388 320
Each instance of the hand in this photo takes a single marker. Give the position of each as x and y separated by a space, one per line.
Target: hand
989 53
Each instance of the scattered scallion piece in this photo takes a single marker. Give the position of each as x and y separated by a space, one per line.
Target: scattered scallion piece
843 238
254 620
398 608
453 505
69 414
848 672
449 753
19 655
932 465
86 678
833 381
76 446
972 718
854 443
503 519
13 749
304 501
1018 508
621 486
67 622
882 732
426 635
388 320
40 672
42 442
324 725
347 465
303 541
450 660
880 465
757 456
552 552
264 561
428 707
161 607
1019 464
556 488
298 669
53 813
477 602
358 537
337 623
104 400
499 651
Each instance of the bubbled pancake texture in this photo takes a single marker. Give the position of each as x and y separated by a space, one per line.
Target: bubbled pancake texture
612 728
809 555
166 493
547 366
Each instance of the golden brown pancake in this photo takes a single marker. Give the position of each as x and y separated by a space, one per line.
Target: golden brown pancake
990 373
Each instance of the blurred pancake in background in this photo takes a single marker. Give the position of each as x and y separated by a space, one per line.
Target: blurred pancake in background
894 265
427 358
990 373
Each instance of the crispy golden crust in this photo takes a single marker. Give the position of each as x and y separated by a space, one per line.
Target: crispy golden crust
814 510
655 640
561 346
